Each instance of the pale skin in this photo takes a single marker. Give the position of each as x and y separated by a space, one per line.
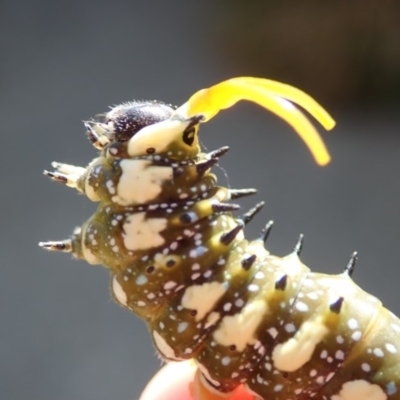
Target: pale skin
180 381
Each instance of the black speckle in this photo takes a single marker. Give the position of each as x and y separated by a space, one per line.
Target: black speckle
186 218
170 263
150 269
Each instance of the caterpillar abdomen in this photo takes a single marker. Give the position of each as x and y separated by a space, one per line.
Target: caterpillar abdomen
179 260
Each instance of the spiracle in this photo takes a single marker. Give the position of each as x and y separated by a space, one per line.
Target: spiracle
179 258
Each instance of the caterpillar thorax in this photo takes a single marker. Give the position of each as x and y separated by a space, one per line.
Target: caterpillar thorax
179 259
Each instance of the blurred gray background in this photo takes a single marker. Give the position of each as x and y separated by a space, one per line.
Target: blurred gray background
61 337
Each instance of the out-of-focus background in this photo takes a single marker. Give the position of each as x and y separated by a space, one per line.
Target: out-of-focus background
61 337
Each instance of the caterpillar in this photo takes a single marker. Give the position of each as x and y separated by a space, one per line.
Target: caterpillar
179 259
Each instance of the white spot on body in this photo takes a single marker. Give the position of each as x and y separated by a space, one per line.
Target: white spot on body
253 288
141 233
365 367
141 280
339 355
360 389
169 285
390 348
202 298
290 328
378 352
259 275
239 329
302 307
140 182
273 332
340 339
391 388
239 303
296 351
312 295
225 360
198 252
352 323
278 388
182 327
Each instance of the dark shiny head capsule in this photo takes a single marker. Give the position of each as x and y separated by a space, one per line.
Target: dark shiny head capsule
128 118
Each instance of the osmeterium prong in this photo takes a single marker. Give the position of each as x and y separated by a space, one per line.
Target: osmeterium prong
205 165
56 177
92 135
68 179
228 237
219 152
238 193
299 245
266 231
225 207
246 218
68 169
351 265
63 245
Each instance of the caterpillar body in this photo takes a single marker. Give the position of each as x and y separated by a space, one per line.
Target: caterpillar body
179 259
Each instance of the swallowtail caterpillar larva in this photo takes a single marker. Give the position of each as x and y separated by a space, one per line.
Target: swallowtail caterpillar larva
179 259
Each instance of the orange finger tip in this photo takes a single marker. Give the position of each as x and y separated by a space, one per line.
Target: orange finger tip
172 382
175 381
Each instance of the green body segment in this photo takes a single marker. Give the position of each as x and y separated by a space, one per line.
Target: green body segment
181 262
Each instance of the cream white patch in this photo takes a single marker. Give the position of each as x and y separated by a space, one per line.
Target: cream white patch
298 350
119 293
141 233
202 298
163 347
212 319
239 329
140 182
89 256
158 136
360 389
